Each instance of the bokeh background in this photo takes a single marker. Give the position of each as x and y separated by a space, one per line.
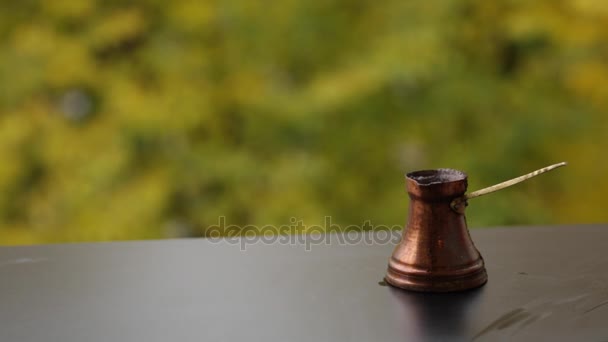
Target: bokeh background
151 119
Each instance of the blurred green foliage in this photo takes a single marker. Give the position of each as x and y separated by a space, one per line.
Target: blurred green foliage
150 119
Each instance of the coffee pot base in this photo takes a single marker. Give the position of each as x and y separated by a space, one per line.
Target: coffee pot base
417 281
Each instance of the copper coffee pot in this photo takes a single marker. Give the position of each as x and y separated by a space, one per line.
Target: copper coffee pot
436 253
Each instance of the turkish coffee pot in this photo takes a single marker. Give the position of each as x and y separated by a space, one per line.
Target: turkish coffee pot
436 253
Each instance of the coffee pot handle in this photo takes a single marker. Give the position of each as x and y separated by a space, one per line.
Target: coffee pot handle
460 203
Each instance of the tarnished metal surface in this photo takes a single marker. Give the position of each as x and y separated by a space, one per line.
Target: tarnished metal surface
436 253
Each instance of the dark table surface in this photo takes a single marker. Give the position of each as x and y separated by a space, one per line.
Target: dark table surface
545 284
